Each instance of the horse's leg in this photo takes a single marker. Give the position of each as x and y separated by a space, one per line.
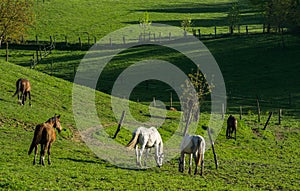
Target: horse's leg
137 155
29 97
196 157
41 153
146 155
227 132
35 154
182 162
49 152
234 133
23 97
190 163
141 153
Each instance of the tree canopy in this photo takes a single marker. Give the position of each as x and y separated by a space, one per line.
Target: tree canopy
15 17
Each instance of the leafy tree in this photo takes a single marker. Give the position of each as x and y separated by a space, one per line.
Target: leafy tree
186 24
193 101
15 17
233 16
279 14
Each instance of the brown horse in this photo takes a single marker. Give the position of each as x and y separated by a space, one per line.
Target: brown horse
45 135
23 86
231 127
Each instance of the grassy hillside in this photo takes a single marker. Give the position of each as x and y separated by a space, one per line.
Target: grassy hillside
267 160
79 19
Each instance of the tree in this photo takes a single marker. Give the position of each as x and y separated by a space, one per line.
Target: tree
15 17
279 14
186 24
193 101
233 16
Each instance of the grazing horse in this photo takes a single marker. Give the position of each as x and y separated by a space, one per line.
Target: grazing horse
231 127
23 86
147 138
194 146
44 134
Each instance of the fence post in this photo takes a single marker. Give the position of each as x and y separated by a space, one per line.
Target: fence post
154 102
212 145
215 31
279 116
80 43
124 40
223 111
241 112
110 41
51 41
36 39
169 35
258 109
247 29
199 33
119 125
171 100
270 115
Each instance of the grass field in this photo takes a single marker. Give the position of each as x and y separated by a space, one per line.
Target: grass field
251 65
266 160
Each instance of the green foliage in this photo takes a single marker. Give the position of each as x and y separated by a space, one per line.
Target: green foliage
233 16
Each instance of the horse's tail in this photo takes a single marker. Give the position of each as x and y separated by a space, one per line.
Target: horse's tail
18 87
133 140
36 139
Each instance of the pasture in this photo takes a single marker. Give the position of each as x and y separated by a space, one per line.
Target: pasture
252 65
267 160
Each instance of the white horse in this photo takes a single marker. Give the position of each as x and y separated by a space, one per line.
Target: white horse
147 138
194 146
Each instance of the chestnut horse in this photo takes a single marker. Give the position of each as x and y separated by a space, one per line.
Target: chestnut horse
23 87
231 127
45 135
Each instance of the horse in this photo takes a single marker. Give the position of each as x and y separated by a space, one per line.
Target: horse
194 145
45 135
23 86
147 138
231 127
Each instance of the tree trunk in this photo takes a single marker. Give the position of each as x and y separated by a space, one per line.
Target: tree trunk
6 51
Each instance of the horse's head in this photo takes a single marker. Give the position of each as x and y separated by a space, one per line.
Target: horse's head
56 120
160 159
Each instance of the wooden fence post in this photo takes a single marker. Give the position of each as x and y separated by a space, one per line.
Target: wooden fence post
199 33
247 32
170 35
212 145
241 112
171 100
110 41
223 111
279 116
270 115
80 43
119 125
36 39
124 40
258 109
215 31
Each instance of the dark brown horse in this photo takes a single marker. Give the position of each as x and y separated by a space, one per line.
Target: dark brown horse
23 87
45 135
231 127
